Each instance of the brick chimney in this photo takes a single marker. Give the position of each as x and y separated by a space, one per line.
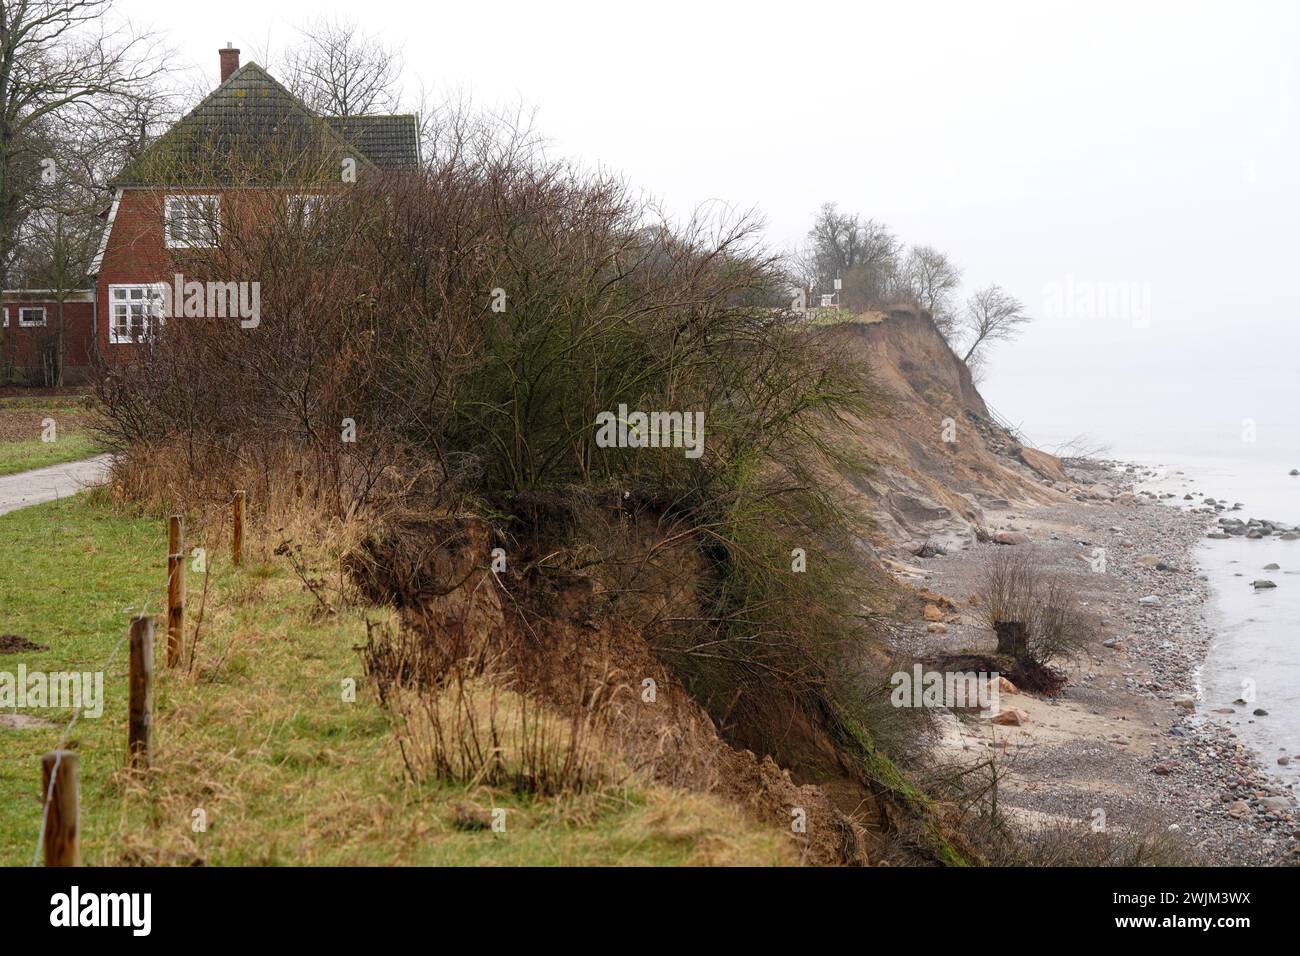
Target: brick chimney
229 61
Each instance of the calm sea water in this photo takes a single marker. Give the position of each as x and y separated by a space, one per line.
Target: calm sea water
1256 651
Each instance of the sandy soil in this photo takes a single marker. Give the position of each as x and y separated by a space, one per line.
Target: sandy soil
1126 736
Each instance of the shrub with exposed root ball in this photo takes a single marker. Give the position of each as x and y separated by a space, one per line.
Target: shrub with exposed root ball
1033 612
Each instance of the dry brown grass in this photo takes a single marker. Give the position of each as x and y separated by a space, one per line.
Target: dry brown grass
474 730
256 735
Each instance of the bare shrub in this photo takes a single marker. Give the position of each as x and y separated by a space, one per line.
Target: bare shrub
1141 842
1033 612
470 726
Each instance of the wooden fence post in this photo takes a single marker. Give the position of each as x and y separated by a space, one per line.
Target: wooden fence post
237 523
175 588
139 739
61 808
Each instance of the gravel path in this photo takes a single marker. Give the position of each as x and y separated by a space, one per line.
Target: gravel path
45 484
1127 735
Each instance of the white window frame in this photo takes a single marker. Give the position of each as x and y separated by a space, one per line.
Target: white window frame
6 325
23 323
168 218
153 296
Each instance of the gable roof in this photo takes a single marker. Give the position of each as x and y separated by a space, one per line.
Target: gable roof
390 142
250 130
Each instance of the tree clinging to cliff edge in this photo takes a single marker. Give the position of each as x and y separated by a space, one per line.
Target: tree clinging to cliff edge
992 315
931 279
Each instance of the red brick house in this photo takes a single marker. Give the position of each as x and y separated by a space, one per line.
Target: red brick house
249 138
37 325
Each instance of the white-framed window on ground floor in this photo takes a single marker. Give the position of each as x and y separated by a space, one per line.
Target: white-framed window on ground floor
135 312
31 316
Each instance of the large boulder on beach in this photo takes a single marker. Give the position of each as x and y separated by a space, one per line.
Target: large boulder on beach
1012 716
1262 584
1047 466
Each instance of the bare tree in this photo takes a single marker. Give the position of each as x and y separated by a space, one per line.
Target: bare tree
60 64
992 315
862 253
338 70
930 278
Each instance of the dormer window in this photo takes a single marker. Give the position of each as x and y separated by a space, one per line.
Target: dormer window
192 222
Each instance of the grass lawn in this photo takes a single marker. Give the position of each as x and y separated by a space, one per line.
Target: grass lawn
25 428
257 740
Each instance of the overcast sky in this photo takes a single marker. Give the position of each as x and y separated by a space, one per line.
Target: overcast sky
1128 170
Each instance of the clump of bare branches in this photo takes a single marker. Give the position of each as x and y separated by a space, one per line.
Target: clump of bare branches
1081 450
1034 613
465 721
337 69
992 315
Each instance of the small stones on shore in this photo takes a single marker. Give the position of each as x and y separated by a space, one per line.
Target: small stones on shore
1158 620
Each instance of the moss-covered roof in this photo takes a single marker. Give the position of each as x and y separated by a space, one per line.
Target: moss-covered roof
390 142
252 131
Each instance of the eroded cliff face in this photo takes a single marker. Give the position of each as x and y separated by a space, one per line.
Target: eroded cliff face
939 461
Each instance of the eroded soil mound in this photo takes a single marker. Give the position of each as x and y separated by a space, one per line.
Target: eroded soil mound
940 460
551 633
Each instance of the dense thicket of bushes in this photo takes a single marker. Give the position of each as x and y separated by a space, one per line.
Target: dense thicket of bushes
473 321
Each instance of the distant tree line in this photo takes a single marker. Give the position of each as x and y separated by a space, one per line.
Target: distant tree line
877 270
